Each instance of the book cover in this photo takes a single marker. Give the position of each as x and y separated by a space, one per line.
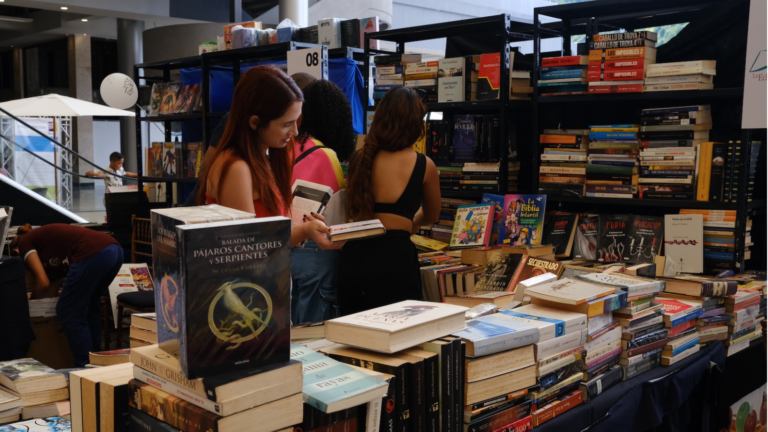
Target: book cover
48 424
308 198
192 157
473 226
612 237
329 32
684 241
489 77
169 98
645 235
676 308
451 77
369 25
158 91
531 267
463 138
498 273
184 104
523 219
551 322
585 245
165 259
327 381
351 34
559 232
569 291
169 160
633 285
497 201
496 333
155 165
235 287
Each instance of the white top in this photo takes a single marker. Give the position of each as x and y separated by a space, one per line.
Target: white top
110 180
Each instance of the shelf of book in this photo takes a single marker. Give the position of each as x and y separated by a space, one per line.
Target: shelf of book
679 204
477 105
679 97
462 194
255 52
167 179
181 117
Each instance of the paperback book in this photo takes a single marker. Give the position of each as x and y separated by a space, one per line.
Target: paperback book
523 219
473 226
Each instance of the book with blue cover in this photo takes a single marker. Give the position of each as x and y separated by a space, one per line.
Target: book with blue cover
613 126
497 201
551 322
496 333
613 135
564 74
48 424
331 386
690 316
688 345
464 138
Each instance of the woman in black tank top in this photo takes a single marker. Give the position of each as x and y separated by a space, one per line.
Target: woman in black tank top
384 270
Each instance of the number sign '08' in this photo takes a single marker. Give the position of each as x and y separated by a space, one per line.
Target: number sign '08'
313 61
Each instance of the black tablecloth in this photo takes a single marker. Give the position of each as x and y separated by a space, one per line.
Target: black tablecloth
674 398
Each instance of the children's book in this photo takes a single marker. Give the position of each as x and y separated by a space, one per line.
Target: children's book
473 226
522 220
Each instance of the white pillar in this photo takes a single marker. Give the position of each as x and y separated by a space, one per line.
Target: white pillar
129 52
295 10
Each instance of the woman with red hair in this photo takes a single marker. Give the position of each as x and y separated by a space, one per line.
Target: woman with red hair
252 165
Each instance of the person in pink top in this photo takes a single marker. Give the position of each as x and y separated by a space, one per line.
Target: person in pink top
325 136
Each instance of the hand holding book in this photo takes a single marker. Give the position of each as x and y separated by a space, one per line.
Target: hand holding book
314 228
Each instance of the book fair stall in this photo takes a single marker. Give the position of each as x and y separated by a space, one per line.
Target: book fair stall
587 252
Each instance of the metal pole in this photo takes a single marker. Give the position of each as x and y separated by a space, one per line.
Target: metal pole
129 53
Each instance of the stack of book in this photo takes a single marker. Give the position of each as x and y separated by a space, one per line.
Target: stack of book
618 61
563 166
143 329
562 76
109 358
733 169
719 238
390 69
443 229
690 75
98 397
43 391
520 85
670 138
743 309
612 169
423 75
427 365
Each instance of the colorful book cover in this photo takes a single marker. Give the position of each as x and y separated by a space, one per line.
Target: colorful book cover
169 159
464 138
48 424
158 90
235 284
496 333
157 160
585 246
612 237
497 201
369 25
645 234
559 232
169 98
523 219
489 77
192 159
473 226
188 95
142 278
534 266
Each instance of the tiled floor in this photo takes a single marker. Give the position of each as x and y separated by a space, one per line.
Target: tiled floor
88 203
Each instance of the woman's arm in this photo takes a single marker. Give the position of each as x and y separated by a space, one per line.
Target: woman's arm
41 279
236 188
314 228
430 198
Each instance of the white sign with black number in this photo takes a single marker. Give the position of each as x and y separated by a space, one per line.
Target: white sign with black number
310 61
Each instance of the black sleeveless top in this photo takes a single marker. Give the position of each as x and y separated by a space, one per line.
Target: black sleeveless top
410 200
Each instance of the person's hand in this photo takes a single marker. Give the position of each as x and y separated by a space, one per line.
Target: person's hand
317 231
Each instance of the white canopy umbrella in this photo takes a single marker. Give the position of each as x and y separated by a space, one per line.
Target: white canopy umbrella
53 105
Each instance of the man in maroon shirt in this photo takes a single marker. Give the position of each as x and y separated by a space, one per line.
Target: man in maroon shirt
89 260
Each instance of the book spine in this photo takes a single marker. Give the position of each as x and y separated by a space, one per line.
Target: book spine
624 64
644 356
432 394
631 43
554 409
561 61
688 345
596 362
492 423
675 87
389 421
178 391
619 88
676 330
623 36
597 385
644 366
175 376
417 386
563 74
179 413
138 421
600 368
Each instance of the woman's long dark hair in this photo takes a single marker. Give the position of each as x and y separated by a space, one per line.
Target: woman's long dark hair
327 116
397 124
266 92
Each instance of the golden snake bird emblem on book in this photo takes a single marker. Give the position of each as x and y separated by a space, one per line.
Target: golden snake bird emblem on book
240 316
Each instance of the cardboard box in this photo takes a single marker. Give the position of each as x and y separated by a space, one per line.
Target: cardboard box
50 346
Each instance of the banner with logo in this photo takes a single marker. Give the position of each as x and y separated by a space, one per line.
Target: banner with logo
30 171
754 112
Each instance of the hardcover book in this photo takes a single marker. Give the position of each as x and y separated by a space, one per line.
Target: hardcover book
158 91
585 246
169 98
489 77
496 333
551 322
331 386
612 237
531 266
694 285
559 231
473 226
569 291
523 219
463 138
165 259
369 25
645 235
499 272
684 241
234 316
497 201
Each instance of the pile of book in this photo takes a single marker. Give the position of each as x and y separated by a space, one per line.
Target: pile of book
143 330
474 176
520 85
31 389
563 161
562 76
618 62
743 308
443 229
612 169
175 98
173 159
733 169
690 75
671 138
390 72
98 397
718 236
423 76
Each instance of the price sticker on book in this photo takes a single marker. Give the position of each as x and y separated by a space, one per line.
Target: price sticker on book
313 61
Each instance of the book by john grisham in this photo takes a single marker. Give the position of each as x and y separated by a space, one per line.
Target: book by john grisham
235 286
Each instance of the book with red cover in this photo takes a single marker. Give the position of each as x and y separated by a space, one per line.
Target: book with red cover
534 266
564 61
645 348
674 308
608 89
522 425
595 66
625 64
676 330
489 77
743 305
558 406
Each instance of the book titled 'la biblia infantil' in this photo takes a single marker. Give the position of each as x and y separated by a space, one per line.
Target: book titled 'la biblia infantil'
234 295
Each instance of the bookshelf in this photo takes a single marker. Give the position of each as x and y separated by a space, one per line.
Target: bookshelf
591 17
503 30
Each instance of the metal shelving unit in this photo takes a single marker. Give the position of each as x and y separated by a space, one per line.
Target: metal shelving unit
505 30
589 18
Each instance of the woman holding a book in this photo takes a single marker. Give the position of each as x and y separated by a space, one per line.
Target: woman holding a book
252 165
325 135
390 182
88 261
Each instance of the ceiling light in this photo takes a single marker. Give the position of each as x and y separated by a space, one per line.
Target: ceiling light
64 8
84 20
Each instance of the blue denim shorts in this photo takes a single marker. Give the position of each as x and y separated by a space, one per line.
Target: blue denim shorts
314 273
